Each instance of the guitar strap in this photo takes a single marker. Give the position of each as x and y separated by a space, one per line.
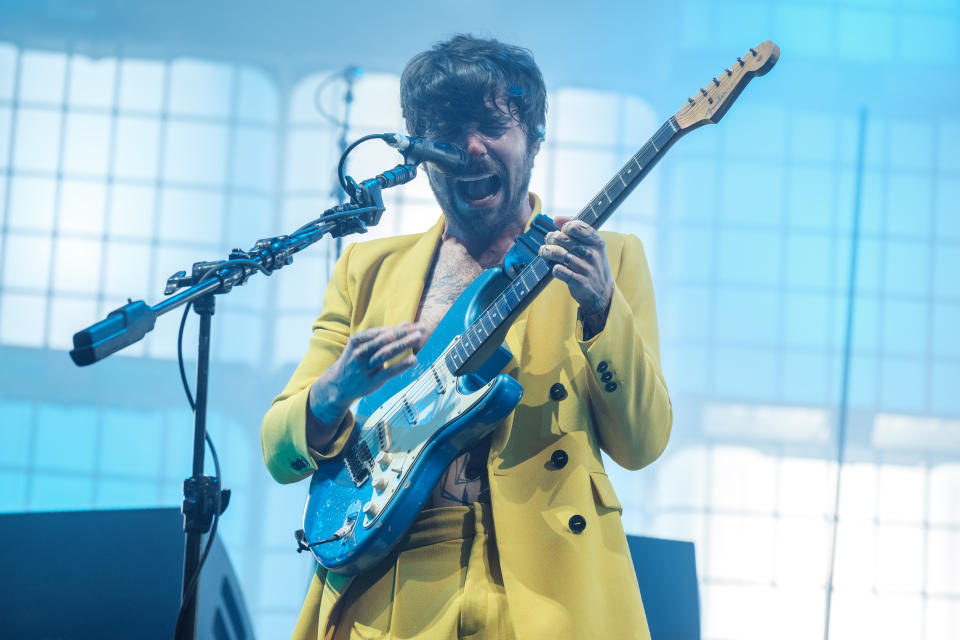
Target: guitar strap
527 246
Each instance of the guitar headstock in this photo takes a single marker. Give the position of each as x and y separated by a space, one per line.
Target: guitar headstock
711 103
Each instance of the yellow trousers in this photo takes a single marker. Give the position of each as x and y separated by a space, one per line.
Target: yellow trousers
442 582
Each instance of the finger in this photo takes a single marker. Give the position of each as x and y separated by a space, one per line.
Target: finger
583 252
361 337
582 232
393 349
396 368
559 238
560 255
575 281
384 336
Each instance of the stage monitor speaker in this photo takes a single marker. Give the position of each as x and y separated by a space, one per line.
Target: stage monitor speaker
667 573
109 574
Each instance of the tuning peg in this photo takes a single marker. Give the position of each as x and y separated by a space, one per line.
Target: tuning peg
740 60
690 100
716 82
753 51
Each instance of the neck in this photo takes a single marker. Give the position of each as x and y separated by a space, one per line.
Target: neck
487 248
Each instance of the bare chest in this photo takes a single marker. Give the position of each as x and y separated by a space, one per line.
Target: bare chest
452 272
465 479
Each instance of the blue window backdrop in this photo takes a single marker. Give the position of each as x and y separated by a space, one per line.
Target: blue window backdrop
119 171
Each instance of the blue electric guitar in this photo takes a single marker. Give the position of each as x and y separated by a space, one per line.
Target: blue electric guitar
362 502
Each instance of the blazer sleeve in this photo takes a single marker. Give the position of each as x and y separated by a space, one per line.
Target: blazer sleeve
628 397
283 434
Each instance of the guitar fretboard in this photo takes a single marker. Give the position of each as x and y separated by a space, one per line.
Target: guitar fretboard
519 292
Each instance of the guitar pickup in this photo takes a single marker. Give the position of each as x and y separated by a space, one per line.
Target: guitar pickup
437 380
410 410
384 439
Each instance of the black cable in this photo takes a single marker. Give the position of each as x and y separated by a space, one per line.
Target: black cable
192 585
183 372
346 152
333 216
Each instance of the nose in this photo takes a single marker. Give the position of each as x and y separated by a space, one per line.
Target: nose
475 144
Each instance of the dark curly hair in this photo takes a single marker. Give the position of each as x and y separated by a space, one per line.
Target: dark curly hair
459 81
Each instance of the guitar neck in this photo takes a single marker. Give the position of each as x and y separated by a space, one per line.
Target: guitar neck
524 288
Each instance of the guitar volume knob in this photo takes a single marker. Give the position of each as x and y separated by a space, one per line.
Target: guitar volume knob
380 484
383 459
372 509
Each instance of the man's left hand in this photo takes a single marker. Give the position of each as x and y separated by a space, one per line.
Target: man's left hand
579 255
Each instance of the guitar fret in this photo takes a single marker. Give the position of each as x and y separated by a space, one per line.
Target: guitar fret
493 326
540 268
523 277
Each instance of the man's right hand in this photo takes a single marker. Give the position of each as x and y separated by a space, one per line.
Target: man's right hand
359 371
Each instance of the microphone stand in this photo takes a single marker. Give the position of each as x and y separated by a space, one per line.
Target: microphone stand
202 497
349 75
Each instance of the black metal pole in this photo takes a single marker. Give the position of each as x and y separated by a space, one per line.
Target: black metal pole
196 519
844 408
349 75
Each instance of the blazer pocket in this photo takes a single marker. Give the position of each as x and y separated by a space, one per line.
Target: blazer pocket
603 491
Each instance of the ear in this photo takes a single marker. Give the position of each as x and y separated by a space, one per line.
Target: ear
534 149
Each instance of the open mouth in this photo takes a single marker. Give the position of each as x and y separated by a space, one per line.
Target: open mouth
479 188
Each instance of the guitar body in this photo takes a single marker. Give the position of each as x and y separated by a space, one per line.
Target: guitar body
422 419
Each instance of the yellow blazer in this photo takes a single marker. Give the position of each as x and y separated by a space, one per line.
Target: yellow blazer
558 583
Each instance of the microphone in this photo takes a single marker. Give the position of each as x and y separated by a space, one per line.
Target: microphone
449 157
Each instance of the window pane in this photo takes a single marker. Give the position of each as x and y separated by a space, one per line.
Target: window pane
137 147
82 206
8 71
131 211
191 215
22 319
92 81
37 140
142 85
254 158
77 265
26 263
258 100
31 203
200 88
41 77
127 269
87 144
195 153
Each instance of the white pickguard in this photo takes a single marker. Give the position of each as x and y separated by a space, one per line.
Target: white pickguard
408 421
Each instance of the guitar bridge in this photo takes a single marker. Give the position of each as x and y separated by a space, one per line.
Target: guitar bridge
359 462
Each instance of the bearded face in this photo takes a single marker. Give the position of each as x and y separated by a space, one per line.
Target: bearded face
491 194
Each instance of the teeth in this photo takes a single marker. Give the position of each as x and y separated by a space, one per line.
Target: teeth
476 178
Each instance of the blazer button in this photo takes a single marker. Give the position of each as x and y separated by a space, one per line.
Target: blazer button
559 459
558 391
607 376
611 386
577 523
602 366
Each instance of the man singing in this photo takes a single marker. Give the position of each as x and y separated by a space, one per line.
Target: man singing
521 537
